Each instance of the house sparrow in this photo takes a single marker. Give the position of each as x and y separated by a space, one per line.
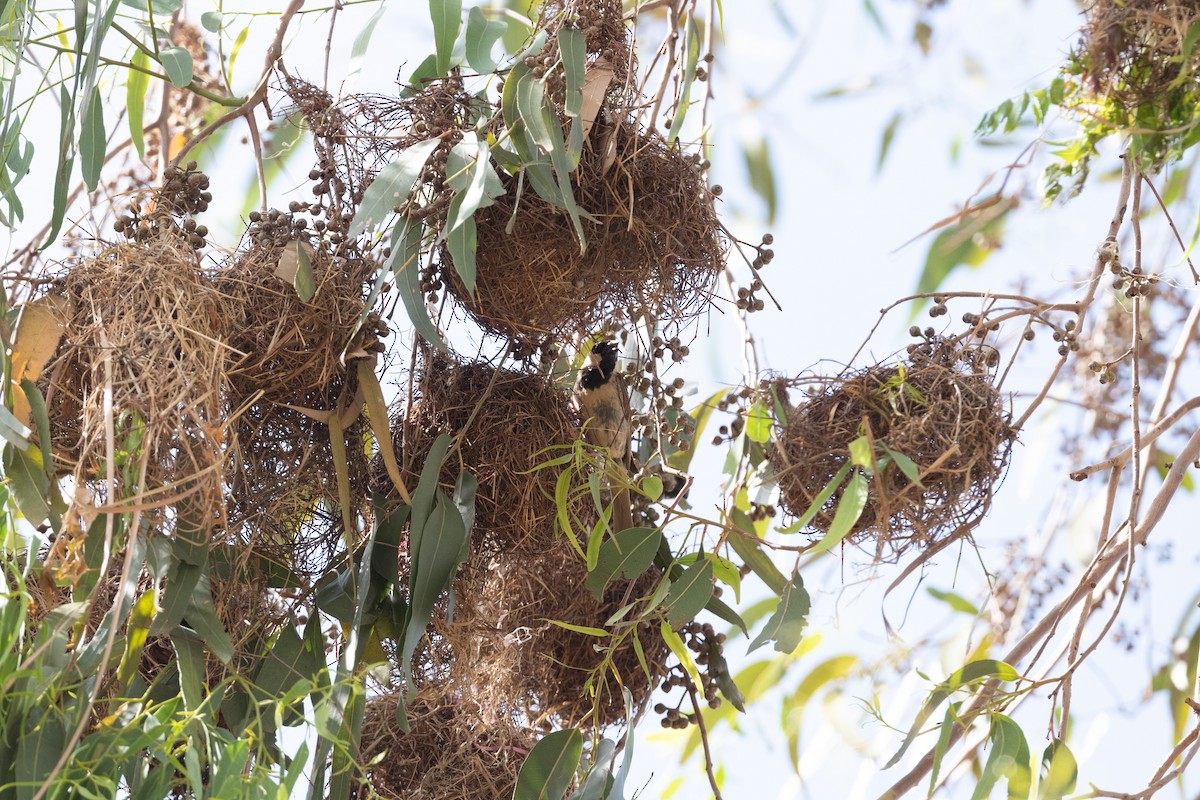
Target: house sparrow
603 399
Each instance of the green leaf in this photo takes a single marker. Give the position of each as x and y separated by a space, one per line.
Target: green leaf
202 618
680 651
860 453
819 501
177 63
13 430
1059 771
572 47
358 50
550 766
949 722
469 172
304 283
1163 461
1009 758
828 671
691 51
681 460
786 625
906 465
850 508
757 155
689 593
210 21
92 144
135 101
66 164
404 264
968 241
391 187
972 673
420 76
628 554
758 423
135 638
587 630
28 483
482 35
753 556
885 142
955 601
40 742
462 244
652 487
447 19
436 550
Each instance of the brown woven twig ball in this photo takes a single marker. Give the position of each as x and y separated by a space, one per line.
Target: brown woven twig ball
287 349
515 659
142 354
655 242
1134 49
938 409
455 750
507 423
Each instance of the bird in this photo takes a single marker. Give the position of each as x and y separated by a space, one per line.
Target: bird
603 399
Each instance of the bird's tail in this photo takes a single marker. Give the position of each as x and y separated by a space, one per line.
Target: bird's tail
622 513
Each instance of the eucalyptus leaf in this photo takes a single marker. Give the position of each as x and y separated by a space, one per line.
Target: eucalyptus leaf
628 554
550 766
447 19
92 143
482 35
177 63
689 593
391 187
787 624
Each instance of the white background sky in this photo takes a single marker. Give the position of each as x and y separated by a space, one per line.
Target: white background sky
836 237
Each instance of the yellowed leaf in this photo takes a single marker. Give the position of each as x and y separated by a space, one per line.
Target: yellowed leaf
595 86
377 408
289 262
39 331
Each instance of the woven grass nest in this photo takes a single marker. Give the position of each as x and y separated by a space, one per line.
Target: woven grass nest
143 337
655 242
283 496
504 420
511 656
287 350
1135 48
455 750
936 409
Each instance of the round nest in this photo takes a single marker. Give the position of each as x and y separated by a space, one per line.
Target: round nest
283 496
504 422
1134 49
655 242
937 410
454 750
288 349
141 322
512 658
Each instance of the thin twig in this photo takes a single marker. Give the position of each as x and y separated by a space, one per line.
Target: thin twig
700 724
274 51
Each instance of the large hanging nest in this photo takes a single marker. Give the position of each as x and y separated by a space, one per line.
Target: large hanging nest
283 496
143 350
939 409
512 657
455 750
1134 49
287 349
507 423
655 242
